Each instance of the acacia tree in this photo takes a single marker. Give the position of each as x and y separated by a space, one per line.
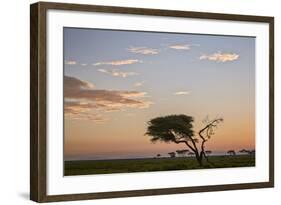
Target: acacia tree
191 154
231 152
179 129
182 152
172 154
244 151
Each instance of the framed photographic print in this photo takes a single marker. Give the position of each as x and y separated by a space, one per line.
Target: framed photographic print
135 102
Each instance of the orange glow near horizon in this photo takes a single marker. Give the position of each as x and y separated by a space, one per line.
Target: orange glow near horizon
114 140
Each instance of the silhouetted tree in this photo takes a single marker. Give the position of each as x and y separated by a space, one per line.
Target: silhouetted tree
244 151
172 154
182 153
250 152
191 154
208 152
158 155
231 152
179 129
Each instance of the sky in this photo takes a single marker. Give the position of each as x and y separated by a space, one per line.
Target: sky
116 81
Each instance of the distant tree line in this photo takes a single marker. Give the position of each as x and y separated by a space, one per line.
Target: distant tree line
186 152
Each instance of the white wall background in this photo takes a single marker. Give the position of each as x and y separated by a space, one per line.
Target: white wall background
14 103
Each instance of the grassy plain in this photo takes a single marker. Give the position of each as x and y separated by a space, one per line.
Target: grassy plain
87 167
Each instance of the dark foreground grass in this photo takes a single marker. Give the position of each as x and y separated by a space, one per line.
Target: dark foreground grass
150 164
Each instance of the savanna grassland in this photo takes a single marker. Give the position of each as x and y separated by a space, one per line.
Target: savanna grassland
87 167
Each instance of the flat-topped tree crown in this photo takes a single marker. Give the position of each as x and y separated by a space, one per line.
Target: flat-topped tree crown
170 128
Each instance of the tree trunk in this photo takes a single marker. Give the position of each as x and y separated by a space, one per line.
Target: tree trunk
199 159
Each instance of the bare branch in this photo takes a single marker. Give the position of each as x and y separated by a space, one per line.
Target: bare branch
208 129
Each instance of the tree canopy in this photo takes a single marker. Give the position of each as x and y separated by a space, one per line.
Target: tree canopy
170 128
